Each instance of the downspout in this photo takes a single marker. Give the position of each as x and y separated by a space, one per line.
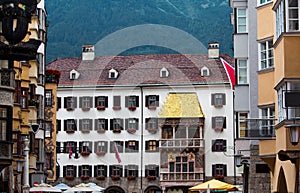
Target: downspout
142 138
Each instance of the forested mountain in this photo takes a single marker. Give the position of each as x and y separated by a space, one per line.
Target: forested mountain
73 23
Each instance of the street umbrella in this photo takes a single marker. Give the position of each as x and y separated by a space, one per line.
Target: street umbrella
82 188
99 188
62 186
43 188
213 185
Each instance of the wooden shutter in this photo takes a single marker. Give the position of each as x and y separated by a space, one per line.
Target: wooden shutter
80 124
75 171
64 170
58 102
223 99
225 170
157 101
213 122
213 170
65 125
146 101
126 101
80 102
65 102
106 124
90 170
126 124
106 101
147 145
213 148
96 101
75 102
112 124
137 101
95 171
79 171
91 102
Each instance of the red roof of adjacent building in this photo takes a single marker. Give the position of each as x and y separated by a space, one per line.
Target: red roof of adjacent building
141 69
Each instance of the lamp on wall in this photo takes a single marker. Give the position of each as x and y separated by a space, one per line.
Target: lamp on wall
294 133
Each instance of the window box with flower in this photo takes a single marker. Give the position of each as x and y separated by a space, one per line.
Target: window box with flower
52 76
132 108
219 177
84 177
70 131
69 177
33 102
150 178
152 130
85 108
115 177
85 153
116 108
152 107
100 177
129 178
100 153
220 129
131 130
70 108
117 130
100 108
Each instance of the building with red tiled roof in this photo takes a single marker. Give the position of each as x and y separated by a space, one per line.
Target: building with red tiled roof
144 122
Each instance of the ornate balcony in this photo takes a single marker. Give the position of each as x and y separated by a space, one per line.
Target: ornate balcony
181 143
5 154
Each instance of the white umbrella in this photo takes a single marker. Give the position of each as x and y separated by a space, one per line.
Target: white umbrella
99 188
62 186
43 188
82 188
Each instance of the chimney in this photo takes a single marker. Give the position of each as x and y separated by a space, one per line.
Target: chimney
213 50
88 52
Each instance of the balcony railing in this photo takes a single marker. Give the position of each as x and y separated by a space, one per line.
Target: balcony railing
257 129
181 143
180 177
5 154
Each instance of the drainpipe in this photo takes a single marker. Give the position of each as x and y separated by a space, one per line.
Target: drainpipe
142 138
26 166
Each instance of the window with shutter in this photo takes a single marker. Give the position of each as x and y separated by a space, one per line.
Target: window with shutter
218 99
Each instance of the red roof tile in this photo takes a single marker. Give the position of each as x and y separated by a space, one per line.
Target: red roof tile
141 69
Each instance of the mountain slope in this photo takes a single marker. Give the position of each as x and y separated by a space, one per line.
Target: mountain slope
73 23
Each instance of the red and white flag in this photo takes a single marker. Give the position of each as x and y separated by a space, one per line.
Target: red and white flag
70 151
117 154
230 72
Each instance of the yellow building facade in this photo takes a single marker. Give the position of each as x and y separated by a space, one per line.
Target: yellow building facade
278 38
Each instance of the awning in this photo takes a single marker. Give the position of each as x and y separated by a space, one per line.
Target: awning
181 105
213 185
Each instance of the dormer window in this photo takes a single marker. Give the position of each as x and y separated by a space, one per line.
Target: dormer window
204 71
74 75
164 73
113 73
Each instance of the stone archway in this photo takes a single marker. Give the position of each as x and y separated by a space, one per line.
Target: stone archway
114 189
153 189
281 184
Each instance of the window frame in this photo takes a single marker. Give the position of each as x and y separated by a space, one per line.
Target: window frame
238 22
131 146
152 146
241 69
218 99
219 145
269 49
48 98
101 146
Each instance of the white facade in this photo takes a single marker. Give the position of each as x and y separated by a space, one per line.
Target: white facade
204 86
